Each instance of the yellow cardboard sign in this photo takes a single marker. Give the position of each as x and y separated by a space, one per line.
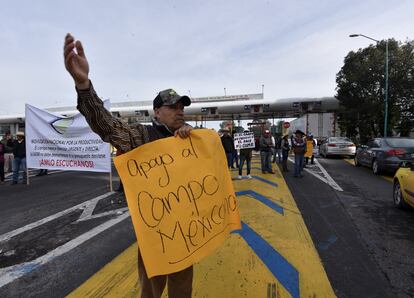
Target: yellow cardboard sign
181 199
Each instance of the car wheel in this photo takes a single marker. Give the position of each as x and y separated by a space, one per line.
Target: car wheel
398 198
357 164
375 167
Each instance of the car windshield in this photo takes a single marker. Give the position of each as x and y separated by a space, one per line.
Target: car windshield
339 140
400 142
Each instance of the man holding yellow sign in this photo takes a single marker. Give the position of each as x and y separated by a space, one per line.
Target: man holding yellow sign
179 190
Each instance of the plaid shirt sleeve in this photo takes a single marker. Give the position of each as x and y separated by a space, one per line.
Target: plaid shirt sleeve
121 135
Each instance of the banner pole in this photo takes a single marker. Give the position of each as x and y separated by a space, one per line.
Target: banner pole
27 174
110 181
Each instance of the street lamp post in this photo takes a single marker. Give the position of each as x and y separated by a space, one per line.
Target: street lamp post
386 80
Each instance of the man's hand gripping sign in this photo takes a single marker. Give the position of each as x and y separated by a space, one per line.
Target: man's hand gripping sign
181 199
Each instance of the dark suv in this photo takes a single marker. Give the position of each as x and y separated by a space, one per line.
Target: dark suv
385 154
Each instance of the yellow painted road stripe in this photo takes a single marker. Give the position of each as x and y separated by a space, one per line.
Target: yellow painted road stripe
235 270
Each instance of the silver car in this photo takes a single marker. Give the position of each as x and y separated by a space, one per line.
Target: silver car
339 146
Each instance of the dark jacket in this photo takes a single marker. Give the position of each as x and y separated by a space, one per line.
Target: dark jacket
2 148
278 143
228 143
19 149
8 145
285 145
265 143
246 152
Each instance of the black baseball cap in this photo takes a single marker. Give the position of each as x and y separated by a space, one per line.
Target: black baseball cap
169 97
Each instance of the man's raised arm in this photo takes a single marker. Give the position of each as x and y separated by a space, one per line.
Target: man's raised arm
109 128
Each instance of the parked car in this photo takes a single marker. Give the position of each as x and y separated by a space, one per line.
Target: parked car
385 154
337 146
404 186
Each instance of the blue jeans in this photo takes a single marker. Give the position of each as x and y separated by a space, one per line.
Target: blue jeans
241 163
265 159
18 163
298 164
278 153
229 159
235 158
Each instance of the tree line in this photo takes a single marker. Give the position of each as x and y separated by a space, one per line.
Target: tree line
361 86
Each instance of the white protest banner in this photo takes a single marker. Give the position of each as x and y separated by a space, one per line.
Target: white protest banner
244 140
64 143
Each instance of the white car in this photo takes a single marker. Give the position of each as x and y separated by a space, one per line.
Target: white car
339 146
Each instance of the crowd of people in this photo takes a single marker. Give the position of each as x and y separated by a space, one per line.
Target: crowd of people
13 157
272 149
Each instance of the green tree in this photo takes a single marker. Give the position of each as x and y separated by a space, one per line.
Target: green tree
360 91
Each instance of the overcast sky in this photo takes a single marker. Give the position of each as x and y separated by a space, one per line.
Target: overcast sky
136 48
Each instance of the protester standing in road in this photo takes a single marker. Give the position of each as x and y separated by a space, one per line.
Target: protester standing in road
228 145
2 149
285 147
299 149
266 146
19 161
310 145
168 121
278 149
245 156
235 157
7 141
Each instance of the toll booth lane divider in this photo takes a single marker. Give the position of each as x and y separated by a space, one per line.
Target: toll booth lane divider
272 256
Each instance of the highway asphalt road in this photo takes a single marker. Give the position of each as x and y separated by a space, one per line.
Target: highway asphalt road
365 244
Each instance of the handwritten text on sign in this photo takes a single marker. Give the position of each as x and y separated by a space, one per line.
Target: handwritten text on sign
244 140
181 199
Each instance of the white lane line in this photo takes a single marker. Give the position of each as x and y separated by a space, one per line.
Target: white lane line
325 177
40 222
11 273
116 211
328 177
87 212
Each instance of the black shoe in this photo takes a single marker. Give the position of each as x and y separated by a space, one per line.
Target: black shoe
271 172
